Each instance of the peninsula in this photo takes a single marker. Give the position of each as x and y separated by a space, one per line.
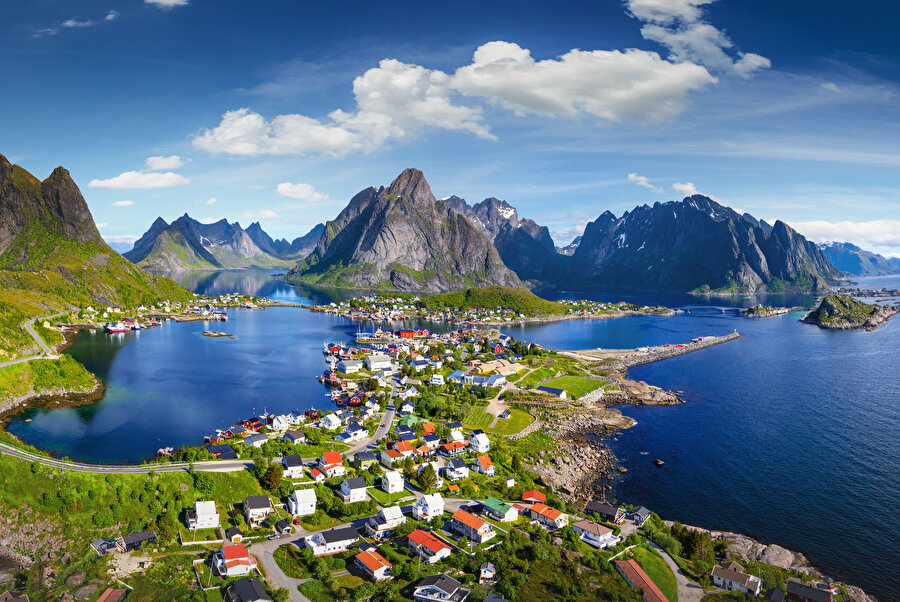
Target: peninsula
843 312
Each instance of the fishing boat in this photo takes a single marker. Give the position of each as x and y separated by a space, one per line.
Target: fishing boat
115 327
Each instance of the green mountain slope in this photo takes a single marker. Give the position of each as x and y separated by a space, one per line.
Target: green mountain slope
518 300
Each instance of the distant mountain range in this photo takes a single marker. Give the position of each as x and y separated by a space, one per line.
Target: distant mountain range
52 257
854 261
187 244
401 237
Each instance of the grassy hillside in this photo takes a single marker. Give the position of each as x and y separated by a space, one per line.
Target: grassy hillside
838 309
518 300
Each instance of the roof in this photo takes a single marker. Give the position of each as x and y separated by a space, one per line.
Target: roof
442 582
293 460
110 595
426 539
257 502
432 499
455 445
533 493
733 572
603 508
552 390
373 560
795 586
392 513
355 483
232 531
403 446
456 463
139 536
642 512
339 534
592 527
247 589
454 425
546 511
497 505
305 495
235 552
293 434
205 507
485 462
639 579
393 476
332 457
469 520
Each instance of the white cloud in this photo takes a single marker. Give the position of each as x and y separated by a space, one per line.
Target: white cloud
207 220
111 15
831 86
643 181
136 179
166 4
397 100
211 201
679 26
69 23
267 214
685 188
301 191
878 234
119 242
123 203
157 163
101 225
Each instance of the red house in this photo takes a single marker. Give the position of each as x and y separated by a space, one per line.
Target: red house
534 497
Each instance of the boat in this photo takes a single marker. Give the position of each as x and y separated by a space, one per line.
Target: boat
115 327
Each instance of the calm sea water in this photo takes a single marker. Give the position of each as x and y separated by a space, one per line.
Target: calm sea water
789 435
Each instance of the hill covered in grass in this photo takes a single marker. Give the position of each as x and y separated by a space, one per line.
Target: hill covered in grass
518 300
843 312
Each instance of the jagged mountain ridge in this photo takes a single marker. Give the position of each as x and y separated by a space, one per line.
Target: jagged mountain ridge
697 245
569 249
856 261
187 244
52 256
402 238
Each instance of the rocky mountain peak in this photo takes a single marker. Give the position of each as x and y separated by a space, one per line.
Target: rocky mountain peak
411 186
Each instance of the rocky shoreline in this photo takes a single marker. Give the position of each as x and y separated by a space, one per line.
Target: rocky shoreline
565 317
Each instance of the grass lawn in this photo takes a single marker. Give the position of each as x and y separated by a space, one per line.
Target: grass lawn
316 591
658 571
518 420
575 386
384 499
535 377
478 419
350 582
289 559
199 535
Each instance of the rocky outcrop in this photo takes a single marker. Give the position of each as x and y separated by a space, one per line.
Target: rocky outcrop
402 238
697 245
843 312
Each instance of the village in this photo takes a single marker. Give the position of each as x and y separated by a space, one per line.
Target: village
418 485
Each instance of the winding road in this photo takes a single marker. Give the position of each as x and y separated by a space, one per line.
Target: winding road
46 352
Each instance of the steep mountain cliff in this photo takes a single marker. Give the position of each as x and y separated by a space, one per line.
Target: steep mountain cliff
282 248
569 249
855 261
187 244
52 256
697 245
403 238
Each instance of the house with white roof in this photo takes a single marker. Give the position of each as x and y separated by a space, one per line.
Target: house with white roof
330 422
384 523
302 502
428 507
203 516
479 442
392 481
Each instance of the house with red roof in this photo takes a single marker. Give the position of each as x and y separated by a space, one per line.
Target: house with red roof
469 525
533 496
484 465
373 564
636 577
234 560
550 517
332 464
428 547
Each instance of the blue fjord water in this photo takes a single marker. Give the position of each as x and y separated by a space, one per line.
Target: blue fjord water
789 435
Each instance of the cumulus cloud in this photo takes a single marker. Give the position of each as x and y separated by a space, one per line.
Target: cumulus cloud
397 100
301 191
264 214
143 180
679 26
643 181
881 234
111 15
211 201
123 203
166 4
207 220
157 163
685 188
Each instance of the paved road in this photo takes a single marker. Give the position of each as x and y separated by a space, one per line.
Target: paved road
688 591
46 352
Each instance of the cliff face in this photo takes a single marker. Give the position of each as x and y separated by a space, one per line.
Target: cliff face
697 244
401 237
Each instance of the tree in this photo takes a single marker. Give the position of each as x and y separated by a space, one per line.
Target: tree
272 479
428 477
516 463
282 594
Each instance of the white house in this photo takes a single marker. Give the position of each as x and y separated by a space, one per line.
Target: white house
732 577
428 547
596 535
349 366
294 437
354 490
233 561
292 466
440 588
409 393
373 564
257 508
385 522
484 465
456 470
437 379
352 432
331 463
377 361
550 517
280 423
428 507
332 541
302 502
479 442
392 481
407 408
203 516
500 510
330 421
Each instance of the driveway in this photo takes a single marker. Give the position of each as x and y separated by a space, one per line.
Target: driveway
688 591
265 551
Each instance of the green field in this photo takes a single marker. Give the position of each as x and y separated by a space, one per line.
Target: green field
384 499
658 571
575 386
479 419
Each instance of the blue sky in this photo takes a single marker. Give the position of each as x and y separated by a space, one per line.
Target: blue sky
281 111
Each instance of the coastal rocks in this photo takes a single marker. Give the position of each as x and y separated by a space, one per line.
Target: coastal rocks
842 312
777 556
75 579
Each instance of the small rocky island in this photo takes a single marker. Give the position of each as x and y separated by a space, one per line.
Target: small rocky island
843 312
764 311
